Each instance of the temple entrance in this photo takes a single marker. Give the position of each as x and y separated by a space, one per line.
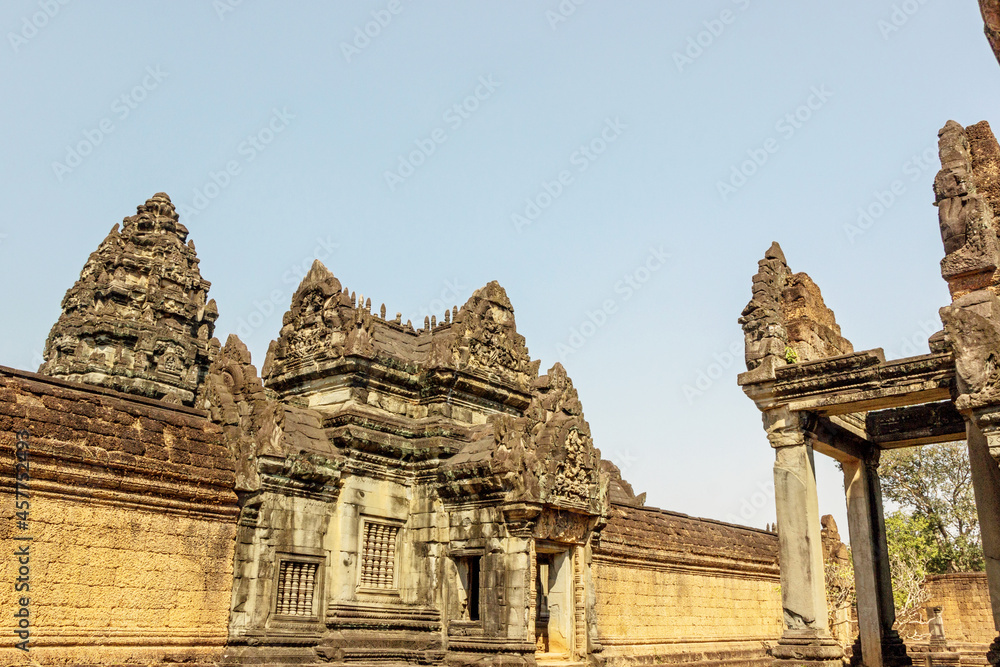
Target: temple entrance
553 603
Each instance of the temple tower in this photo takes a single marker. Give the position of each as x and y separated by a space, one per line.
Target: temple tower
138 319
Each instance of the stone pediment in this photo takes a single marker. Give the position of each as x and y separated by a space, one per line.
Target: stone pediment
322 325
483 340
546 457
786 320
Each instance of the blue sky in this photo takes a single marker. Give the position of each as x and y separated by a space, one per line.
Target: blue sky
618 167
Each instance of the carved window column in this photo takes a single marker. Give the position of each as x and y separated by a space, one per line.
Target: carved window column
983 433
879 645
806 638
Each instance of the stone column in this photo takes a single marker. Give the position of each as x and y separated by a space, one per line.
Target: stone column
982 431
879 645
806 639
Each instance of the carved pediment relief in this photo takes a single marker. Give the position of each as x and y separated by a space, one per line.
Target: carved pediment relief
483 340
322 324
549 454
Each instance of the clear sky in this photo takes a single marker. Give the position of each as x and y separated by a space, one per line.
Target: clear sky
586 155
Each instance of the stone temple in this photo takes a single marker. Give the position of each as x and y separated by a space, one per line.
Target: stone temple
374 495
379 495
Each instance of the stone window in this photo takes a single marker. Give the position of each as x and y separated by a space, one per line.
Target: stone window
378 555
296 588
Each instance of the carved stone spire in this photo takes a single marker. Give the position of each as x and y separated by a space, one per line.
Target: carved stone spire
137 320
786 320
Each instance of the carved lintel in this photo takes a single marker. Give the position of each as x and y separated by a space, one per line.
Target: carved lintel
562 526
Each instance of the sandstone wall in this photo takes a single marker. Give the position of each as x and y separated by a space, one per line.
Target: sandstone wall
132 519
965 598
670 587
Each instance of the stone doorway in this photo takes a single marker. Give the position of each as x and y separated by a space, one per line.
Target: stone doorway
553 603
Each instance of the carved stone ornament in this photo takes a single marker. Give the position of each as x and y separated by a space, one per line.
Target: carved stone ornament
322 325
786 320
549 454
138 319
976 344
483 340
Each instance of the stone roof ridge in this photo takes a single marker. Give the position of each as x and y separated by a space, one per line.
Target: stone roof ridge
688 517
138 319
786 320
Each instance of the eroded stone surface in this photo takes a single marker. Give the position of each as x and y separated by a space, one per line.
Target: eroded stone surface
786 320
138 319
990 10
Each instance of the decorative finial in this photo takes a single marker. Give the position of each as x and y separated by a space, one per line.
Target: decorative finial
434 321
399 318
353 300
368 305
447 316
454 313
427 322
381 311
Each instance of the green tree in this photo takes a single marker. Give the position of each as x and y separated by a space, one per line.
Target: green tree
912 546
932 486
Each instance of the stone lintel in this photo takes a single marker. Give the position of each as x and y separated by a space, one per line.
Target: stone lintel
835 438
855 383
915 425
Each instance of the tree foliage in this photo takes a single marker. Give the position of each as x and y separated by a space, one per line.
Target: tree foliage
912 548
840 597
932 486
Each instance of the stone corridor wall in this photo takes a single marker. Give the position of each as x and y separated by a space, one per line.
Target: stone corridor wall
132 519
965 598
673 588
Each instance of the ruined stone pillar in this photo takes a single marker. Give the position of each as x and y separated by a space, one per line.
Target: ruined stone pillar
981 430
879 645
806 638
